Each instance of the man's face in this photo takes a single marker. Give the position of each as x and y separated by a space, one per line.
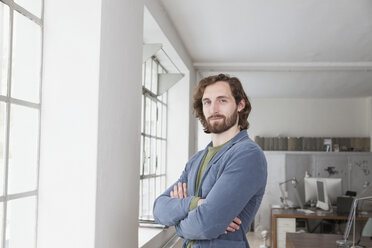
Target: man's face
219 107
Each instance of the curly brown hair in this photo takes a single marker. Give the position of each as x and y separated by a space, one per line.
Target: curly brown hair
237 91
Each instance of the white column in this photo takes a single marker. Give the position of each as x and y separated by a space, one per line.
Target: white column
119 124
88 190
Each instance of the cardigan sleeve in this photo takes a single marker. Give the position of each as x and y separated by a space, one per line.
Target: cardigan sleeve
169 211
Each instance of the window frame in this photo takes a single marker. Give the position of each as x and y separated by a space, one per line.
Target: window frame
9 101
149 94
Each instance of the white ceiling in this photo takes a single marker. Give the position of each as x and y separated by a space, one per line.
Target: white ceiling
281 48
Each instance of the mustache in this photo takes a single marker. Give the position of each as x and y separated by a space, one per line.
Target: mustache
216 116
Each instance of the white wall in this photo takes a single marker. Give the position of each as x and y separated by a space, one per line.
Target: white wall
178 133
309 117
369 104
88 192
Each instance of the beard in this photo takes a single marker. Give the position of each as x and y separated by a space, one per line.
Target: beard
221 126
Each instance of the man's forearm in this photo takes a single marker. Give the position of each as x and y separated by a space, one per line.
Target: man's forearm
169 209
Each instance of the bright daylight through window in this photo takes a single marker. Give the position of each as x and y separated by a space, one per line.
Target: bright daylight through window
153 139
20 87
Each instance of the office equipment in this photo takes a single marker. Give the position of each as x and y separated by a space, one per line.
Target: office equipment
284 194
344 204
264 237
351 222
333 185
350 193
284 220
310 189
306 211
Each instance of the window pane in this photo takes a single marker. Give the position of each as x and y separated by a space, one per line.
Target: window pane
147 156
140 198
147 115
34 6
4 47
26 59
141 156
159 120
163 154
154 76
164 122
153 118
145 199
148 74
159 157
162 182
153 156
152 196
21 223
2 145
23 148
158 186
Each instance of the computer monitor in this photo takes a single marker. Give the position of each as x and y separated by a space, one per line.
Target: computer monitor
333 188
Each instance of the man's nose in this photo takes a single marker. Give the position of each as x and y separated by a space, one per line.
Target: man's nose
214 108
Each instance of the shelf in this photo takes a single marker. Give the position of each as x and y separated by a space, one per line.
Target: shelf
318 153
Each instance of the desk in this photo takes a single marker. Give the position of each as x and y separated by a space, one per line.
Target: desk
311 240
285 221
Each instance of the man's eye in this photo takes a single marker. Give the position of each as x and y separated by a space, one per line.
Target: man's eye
206 103
223 100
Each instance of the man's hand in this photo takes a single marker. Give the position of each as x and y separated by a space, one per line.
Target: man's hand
234 225
179 191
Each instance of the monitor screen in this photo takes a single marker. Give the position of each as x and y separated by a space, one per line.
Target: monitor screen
323 201
320 187
333 187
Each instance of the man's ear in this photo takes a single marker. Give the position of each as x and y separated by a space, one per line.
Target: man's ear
241 105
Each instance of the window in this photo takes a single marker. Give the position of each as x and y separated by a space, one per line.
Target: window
20 87
153 139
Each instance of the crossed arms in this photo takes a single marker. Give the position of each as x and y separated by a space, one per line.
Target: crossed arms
180 191
243 176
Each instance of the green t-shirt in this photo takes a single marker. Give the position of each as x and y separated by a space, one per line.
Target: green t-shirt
207 158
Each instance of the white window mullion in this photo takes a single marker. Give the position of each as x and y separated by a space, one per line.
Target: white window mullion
20 102
7 127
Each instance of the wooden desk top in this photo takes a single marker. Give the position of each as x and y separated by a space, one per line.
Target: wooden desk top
312 240
318 214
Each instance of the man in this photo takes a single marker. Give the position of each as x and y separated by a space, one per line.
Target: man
221 188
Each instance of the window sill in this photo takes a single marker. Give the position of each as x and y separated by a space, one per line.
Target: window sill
149 237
